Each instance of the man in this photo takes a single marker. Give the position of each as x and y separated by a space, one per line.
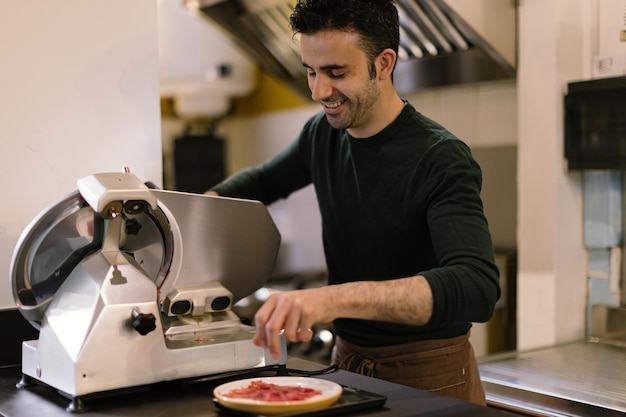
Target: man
409 255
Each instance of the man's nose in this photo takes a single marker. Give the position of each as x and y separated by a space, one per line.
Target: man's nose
321 88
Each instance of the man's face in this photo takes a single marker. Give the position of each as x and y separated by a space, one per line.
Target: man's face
339 78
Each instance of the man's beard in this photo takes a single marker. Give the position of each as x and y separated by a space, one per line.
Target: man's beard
356 110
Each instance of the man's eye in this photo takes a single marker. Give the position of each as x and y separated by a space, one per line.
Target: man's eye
336 75
311 74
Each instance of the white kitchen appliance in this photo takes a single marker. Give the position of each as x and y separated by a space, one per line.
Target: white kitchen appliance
130 286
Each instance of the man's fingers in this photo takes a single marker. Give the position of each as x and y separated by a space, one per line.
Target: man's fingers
260 319
282 315
282 320
305 335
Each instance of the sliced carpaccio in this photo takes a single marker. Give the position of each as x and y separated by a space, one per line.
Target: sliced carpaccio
263 391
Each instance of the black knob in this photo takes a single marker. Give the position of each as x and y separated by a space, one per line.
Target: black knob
220 303
143 323
132 227
181 307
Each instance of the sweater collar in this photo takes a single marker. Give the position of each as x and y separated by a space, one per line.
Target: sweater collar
387 133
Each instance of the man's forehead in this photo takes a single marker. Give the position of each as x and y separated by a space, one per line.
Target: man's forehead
329 50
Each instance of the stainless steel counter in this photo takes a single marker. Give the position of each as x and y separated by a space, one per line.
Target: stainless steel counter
578 379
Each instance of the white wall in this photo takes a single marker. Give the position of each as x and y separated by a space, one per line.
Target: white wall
558 39
79 83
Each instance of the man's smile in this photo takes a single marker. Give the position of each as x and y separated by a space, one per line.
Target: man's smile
333 107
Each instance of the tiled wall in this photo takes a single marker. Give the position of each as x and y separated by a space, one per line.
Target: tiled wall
482 115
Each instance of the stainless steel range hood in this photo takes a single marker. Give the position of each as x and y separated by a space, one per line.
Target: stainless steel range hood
438 47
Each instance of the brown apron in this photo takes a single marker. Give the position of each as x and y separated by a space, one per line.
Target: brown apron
443 366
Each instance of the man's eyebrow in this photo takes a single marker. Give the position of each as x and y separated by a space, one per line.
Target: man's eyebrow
329 67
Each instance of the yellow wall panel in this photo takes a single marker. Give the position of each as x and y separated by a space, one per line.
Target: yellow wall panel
270 95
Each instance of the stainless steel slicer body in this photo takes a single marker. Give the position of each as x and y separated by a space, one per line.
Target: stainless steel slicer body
131 286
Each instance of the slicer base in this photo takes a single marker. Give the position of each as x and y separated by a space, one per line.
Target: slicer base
26 381
76 406
111 375
80 403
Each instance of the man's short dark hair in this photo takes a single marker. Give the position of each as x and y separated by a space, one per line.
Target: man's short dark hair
375 21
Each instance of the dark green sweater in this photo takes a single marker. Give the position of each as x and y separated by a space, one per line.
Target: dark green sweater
403 202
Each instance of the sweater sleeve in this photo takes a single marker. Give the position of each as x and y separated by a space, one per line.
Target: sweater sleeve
465 286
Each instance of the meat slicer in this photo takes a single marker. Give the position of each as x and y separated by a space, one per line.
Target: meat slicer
130 285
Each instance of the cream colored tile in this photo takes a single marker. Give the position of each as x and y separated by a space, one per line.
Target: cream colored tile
424 102
537 324
496 121
457 111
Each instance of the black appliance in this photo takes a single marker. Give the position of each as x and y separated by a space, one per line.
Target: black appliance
595 124
199 162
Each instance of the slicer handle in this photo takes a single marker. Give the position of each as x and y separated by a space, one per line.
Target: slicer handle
143 323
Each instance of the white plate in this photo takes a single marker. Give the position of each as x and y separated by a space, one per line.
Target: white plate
331 392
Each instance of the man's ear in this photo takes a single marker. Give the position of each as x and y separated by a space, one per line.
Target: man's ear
386 62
